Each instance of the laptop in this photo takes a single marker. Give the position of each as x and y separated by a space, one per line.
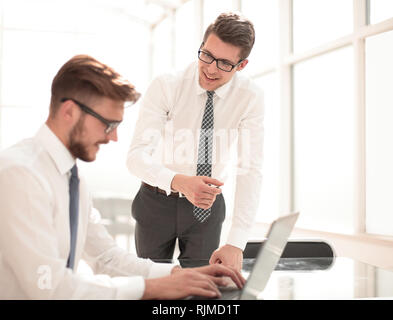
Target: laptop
267 258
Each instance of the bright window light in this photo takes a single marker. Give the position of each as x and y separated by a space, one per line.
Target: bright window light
324 142
316 22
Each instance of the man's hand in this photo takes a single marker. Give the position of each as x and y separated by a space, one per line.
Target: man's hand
217 271
180 284
228 255
197 189
200 281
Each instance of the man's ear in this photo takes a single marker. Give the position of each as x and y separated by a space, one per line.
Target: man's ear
242 65
68 112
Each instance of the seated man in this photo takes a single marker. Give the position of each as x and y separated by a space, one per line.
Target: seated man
47 220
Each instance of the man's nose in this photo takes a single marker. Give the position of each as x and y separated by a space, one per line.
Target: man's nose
212 68
113 135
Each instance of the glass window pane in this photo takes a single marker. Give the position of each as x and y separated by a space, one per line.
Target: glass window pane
162 50
119 52
323 136
264 16
32 58
212 9
40 15
383 283
380 10
33 50
65 16
379 133
30 61
318 21
187 43
269 199
18 123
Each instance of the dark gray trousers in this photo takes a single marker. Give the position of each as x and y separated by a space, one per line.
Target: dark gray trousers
160 220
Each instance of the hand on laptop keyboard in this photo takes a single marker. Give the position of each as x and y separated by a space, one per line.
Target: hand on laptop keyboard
227 283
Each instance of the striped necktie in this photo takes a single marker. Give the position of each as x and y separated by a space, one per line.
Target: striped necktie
205 150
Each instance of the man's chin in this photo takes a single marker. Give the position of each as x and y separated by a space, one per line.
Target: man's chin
90 156
83 154
208 85
91 159
87 158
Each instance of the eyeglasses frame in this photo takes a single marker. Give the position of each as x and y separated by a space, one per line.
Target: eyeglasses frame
216 60
110 125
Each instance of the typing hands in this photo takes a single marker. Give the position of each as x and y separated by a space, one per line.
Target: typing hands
201 281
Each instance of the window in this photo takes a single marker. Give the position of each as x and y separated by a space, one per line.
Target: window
187 42
379 133
162 49
380 10
318 21
269 198
264 16
323 141
212 9
308 58
37 41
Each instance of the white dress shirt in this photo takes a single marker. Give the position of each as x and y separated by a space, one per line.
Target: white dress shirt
35 232
166 135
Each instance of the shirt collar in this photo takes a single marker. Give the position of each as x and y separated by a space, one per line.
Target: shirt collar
220 92
57 150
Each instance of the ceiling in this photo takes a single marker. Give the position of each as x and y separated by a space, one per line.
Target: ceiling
149 12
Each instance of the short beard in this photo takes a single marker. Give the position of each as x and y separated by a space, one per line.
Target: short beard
77 149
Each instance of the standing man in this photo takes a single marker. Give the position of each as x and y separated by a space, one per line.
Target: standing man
47 222
187 124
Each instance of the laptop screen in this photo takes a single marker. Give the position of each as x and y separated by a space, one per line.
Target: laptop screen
268 256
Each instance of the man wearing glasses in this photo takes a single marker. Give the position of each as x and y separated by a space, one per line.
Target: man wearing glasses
187 125
47 220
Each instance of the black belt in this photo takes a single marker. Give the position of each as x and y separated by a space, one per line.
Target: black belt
158 190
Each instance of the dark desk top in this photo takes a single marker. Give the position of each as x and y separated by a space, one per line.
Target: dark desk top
321 278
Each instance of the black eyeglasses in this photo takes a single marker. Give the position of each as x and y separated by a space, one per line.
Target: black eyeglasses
110 125
221 64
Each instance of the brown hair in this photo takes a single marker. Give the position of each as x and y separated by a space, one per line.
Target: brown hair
85 77
234 29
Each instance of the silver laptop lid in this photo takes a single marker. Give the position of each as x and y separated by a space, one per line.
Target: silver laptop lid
268 256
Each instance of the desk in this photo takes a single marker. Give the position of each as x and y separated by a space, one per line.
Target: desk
344 279
321 278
